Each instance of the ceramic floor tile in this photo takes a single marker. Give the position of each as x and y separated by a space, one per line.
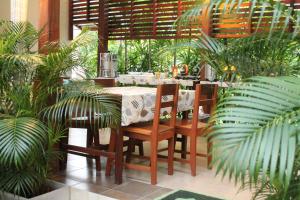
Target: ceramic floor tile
64 180
82 170
92 176
95 188
137 188
120 195
157 193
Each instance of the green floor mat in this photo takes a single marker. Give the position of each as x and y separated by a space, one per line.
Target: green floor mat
185 195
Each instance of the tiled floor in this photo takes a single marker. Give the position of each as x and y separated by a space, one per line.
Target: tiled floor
84 176
81 174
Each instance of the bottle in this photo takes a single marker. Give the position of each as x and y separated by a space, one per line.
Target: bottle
174 71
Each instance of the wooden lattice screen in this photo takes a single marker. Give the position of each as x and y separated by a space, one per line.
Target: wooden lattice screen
154 19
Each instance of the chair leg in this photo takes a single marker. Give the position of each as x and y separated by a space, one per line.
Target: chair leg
98 163
193 154
89 137
130 149
111 148
153 162
171 156
209 155
141 148
63 161
183 146
175 140
96 136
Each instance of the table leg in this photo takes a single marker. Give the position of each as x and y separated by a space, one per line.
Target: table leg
185 115
183 146
119 156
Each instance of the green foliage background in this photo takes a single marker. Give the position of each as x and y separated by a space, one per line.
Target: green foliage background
142 55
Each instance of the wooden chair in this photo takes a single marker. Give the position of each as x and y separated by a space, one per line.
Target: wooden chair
89 150
155 132
93 148
110 82
105 82
205 96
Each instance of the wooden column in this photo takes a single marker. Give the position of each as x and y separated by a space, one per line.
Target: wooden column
154 28
102 31
49 21
179 14
71 31
207 29
206 21
291 4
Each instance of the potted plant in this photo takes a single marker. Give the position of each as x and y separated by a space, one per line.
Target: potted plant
27 139
256 136
256 124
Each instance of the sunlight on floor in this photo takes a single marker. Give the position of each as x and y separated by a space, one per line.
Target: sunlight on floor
206 182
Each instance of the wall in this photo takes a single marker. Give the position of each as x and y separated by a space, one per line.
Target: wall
34 15
34 12
5 9
64 20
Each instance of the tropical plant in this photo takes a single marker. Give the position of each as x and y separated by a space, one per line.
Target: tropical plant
81 98
276 15
27 81
89 55
272 52
189 56
256 136
251 56
145 55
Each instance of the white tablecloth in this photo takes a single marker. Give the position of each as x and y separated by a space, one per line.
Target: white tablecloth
152 81
138 103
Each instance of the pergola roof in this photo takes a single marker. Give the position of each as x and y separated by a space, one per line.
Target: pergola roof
155 19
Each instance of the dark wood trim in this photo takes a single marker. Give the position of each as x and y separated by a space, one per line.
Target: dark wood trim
102 31
119 156
49 21
71 31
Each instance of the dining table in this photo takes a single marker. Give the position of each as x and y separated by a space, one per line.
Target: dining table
151 80
138 105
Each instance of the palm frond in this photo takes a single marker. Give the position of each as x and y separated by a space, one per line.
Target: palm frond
24 183
75 101
23 35
252 56
257 130
21 140
276 16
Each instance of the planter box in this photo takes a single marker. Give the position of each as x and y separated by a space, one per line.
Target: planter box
60 192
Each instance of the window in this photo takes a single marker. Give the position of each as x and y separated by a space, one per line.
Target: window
19 9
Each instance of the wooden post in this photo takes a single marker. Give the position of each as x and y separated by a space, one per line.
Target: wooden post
292 6
179 13
154 18
207 29
49 22
102 32
126 56
206 20
250 19
71 31
88 7
131 19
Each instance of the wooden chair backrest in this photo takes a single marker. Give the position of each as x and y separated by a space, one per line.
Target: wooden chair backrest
105 82
163 91
205 96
